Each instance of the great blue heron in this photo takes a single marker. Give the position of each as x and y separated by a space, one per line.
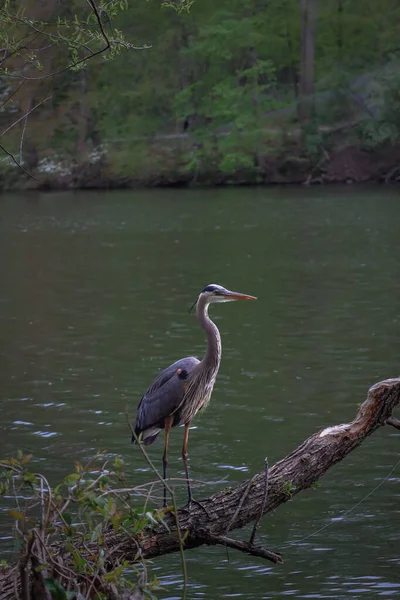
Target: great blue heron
185 387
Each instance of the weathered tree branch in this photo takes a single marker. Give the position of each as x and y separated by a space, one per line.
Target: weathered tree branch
242 504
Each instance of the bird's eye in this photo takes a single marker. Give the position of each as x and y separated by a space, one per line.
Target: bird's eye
217 292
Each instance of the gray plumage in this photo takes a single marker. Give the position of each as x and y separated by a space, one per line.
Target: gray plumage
164 397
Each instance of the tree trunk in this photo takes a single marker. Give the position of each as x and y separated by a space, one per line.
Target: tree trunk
308 25
84 116
339 29
234 508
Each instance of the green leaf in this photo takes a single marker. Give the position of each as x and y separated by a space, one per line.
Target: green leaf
78 560
96 532
26 458
30 478
16 515
67 518
71 479
56 589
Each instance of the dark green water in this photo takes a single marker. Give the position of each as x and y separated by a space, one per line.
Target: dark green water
95 289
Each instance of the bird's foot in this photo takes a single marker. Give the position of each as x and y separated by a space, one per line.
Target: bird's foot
190 505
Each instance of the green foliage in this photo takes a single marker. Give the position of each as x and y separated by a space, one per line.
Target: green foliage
230 71
288 488
81 35
384 125
76 515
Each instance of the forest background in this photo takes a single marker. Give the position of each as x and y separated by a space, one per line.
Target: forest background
253 91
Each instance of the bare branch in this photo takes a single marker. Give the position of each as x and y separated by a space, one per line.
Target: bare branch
16 162
12 94
19 47
248 548
78 62
22 137
99 21
25 115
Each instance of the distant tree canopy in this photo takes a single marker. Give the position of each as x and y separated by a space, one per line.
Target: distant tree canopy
42 44
217 67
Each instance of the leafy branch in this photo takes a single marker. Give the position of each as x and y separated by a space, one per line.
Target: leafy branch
26 42
83 507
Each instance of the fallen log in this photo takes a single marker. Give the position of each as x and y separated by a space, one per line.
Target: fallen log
230 509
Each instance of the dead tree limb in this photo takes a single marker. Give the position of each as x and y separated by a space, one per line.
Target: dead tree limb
236 507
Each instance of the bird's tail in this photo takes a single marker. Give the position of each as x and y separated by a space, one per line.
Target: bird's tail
146 437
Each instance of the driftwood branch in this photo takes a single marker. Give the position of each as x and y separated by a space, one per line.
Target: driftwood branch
234 508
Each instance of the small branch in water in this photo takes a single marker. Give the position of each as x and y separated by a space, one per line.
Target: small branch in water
212 540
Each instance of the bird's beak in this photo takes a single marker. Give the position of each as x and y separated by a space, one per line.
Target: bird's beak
236 296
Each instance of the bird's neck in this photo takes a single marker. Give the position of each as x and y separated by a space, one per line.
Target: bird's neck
213 354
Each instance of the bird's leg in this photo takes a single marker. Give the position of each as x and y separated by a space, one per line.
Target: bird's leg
191 500
167 426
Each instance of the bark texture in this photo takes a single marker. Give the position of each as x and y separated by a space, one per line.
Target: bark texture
236 507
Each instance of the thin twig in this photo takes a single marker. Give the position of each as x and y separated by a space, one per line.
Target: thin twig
12 94
7 467
150 463
55 38
22 137
67 68
94 482
26 114
50 500
16 162
85 58
242 499
137 488
212 539
264 500
22 568
92 587
148 496
19 47
42 500
59 565
146 456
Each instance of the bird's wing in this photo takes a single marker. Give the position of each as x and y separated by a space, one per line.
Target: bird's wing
165 394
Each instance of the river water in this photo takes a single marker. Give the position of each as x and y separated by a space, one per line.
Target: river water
93 302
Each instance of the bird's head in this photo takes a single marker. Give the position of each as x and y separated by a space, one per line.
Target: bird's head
217 293
213 293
